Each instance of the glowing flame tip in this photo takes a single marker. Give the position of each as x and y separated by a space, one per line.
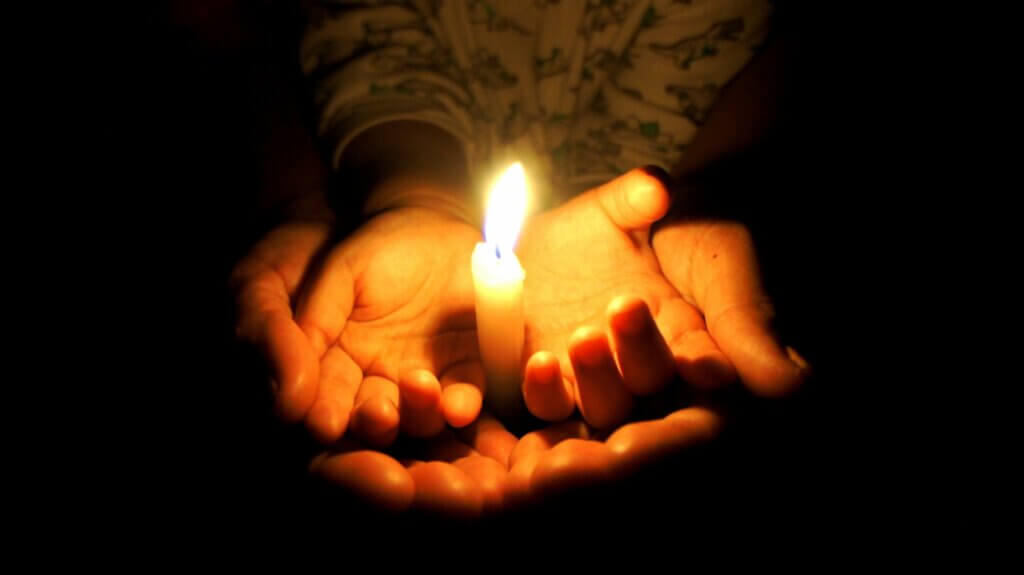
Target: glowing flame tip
506 208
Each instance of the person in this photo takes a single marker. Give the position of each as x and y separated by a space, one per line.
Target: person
419 102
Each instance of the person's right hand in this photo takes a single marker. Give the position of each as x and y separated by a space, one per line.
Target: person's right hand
389 314
382 327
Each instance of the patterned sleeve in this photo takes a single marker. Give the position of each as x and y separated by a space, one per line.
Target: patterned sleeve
372 62
578 90
645 99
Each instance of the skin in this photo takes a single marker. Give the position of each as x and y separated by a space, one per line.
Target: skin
391 307
590 251
391 316
695 305
462 475
565 456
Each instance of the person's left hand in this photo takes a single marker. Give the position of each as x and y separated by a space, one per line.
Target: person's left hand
690 296
581 256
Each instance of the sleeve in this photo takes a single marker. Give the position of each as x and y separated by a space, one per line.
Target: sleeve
657 95
371 62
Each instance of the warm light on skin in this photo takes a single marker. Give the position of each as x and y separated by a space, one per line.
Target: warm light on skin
506 209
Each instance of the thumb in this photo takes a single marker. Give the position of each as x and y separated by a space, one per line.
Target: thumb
264 282
634 200
714 264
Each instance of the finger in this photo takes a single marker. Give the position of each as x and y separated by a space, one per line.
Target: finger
601 394
547 394
489 437
697 357
444 489
634 200
339 381
517 483
488 473
727 288
264 281
544 439
528 453
375 416
571 465
420 403
645 361
369 475
636 445
327 303
266 321
490 477
462 393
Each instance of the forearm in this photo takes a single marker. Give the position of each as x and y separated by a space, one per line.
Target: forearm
408 163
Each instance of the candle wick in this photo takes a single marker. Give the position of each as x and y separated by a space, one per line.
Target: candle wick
497 251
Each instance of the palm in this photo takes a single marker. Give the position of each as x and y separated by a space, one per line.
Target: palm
413 304
577 260
390 314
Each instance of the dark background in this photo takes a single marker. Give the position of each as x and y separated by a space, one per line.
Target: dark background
211 78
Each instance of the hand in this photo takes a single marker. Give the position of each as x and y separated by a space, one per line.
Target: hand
578 257
460 474
265 282
713 265
598 246
390 316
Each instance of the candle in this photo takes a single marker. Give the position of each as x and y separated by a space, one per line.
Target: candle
498 285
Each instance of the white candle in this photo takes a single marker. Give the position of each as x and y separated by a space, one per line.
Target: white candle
498 284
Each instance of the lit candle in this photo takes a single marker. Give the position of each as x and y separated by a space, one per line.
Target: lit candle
498 284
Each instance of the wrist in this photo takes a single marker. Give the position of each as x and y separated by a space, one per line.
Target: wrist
408 164
412 192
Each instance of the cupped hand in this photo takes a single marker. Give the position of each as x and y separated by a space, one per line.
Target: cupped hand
459 473
383 331
265 283
581 256
390 315
570 455
687 301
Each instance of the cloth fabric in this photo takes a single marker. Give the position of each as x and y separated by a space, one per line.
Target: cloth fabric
578 90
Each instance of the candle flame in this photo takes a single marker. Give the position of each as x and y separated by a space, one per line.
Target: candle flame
506 209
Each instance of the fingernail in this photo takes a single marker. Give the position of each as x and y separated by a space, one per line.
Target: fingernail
798 359
657 172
